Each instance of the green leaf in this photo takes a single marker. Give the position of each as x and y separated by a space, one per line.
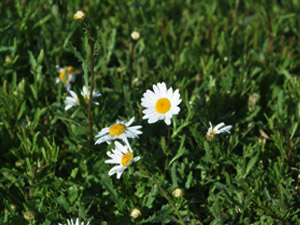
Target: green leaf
63 202
73 193
251 163
105 181
189 180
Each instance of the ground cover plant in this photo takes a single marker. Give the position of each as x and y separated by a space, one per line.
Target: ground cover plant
149 112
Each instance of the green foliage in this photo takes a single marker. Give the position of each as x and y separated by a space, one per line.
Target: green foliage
233 61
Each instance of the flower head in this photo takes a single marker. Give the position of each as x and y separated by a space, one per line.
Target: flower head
121 155
119 130
79 15
213 131
161 104
74 100
76 222
135 35
66 75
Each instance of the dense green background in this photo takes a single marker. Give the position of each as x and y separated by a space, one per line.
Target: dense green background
233 61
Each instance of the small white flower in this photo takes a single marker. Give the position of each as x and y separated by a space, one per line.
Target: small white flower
135 35
66 75
213 131
161 104
121 155
76 222
74 100
119 130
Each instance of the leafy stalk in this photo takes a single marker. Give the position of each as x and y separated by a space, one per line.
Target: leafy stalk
164 194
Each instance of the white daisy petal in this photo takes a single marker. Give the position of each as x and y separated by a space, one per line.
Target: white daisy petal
152 119
168 121
114 170
75 222
219 125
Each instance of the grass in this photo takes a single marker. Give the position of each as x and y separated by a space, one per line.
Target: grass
233 61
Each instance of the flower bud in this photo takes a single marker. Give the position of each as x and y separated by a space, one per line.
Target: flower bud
177 193
79 15
29 215
135 213
12 206
135 35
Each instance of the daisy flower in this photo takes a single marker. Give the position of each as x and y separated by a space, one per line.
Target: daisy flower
74 100
213 131
121 155
76 222
119 130
66 75
161 104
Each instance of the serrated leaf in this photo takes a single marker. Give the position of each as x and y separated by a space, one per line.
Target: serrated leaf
105 181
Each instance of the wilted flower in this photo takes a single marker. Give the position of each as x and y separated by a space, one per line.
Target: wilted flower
263 137
79 15
135 213
121 155
135 35
119 130
213 131
252 101
161 104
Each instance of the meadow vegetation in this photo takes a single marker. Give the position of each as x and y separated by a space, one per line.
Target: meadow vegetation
236 62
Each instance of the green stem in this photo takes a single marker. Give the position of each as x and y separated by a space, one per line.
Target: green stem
168 152
91 42
164 194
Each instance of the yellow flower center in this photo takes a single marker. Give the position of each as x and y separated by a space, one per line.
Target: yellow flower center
84 98
63 73
126 159
163 105
213 132
117 129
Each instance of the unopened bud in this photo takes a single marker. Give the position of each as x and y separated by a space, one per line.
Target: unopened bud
135 35
29 215
135 213
177 193
12 206
79 15
19 163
